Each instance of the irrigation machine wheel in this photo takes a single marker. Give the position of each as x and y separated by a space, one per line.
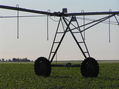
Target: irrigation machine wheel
90 67
42 67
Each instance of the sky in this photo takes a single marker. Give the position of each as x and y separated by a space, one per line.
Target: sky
33 41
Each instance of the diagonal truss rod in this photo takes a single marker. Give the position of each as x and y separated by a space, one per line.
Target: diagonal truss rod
76 39
54 40
116 20
98 22
95 22
64 33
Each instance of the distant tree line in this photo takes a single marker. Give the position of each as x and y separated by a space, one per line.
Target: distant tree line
15 60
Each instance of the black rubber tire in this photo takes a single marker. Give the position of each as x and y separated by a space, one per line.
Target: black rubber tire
42 67
89 67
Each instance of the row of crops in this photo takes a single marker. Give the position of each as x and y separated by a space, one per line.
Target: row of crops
22 76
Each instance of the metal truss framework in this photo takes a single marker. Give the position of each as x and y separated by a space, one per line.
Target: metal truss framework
74 28
71 26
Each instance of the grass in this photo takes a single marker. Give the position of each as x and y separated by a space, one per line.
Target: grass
21 76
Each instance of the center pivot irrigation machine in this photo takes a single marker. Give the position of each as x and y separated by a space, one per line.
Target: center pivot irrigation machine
69 23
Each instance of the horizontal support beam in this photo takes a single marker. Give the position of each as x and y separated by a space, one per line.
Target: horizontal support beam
25 10
65 65
93 13
58 13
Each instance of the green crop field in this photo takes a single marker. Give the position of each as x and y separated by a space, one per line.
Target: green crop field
21 76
